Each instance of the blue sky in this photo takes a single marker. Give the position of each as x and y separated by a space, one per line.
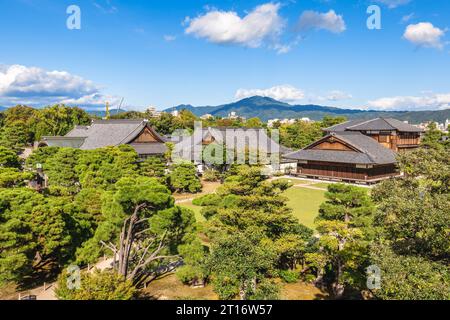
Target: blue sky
165 53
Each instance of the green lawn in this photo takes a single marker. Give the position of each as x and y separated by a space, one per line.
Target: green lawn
323 185
196 209
305 203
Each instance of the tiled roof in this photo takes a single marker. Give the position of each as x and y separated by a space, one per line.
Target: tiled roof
368 151
263 142
377 124
103 133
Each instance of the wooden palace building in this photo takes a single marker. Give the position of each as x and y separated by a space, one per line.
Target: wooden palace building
357 151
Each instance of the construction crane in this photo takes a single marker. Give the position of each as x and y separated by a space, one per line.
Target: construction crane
120 105
107 115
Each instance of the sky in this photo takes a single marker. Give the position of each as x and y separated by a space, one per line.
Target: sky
164 53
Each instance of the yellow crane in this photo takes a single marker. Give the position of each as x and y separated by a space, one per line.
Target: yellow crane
107 115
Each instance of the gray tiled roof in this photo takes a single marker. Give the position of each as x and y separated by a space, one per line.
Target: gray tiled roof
377 124
264 142
369 151
103 133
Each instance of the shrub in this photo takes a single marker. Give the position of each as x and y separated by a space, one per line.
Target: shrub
289 276
211 175
207 200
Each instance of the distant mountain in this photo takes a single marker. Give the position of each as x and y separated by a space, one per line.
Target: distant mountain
2 108
267 108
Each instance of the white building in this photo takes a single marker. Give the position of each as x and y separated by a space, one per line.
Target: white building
206 116
271 122
151 110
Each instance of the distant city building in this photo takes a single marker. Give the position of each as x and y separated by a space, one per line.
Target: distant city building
234 116
271 122
444 127
153 112
175 113
206 116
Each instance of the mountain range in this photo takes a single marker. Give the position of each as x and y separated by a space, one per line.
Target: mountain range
267 108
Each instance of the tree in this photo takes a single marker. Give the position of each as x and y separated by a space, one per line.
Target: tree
194 269
347 203
249 206
17 245
341 247
153 167
344 224
241 263
253 123
60 170
413 221
329 121
409 277
102 168
13 177
8 158
15 136
413 211
58 120
183 178
99 285
140 226
432 137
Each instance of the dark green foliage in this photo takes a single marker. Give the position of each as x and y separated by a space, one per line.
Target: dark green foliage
183 178
194 270
347 203
414 222
105 285
8 158
153 167
239 263
409 277
207 200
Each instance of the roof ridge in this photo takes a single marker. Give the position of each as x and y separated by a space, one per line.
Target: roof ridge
132 132
364 122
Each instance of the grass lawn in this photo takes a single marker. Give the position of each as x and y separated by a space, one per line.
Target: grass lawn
296 181
323 185
305 203
196 209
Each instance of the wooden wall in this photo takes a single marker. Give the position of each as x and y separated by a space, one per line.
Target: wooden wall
346 171
146 137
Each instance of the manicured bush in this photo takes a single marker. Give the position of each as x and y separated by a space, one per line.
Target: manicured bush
289 276
207 200
211 175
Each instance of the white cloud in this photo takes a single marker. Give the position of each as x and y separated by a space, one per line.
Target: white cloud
394 3
424 34
428 101
337 95
107 7
227 27
329 21
37 87
285 93
407 18
169 38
